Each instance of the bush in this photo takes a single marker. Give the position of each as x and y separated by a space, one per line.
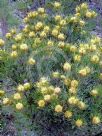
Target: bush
51 70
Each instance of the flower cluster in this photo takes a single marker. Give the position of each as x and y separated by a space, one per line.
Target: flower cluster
16 98
65 92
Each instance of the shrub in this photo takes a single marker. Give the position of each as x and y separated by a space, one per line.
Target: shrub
54 69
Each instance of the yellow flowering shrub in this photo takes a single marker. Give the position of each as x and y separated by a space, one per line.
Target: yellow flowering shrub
55 66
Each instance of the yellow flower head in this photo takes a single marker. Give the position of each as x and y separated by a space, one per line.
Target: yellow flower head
41 103
82 23
77 14
14 54
87 46
72 90
56 74
1 42
93 47
44 81
8 35
74 83
67 81
61 36
58 108
63 22
31 61
96 120
94 92
73 100
68 114
44 90
34 14
74 19
14 47
25 30
61 44
100 76
26 20
55 32
18 37
77 9
19 106
27 86
50 43
88 14
57 4
67 66
2 92
20 88
88 70
30 15
51 89
46 29
24 47
57 27
13 31
57 90
31 34
41 10
95 59
6 101
77 58
43 34
63 77
38 26
73 48
37 40
84 6
82 51
79 122
47 98
54 96
94 14
43 16
58 18
83 72
100 63
81 105
17 96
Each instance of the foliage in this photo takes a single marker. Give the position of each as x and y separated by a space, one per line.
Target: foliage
23 4
6 13
68 5
54 68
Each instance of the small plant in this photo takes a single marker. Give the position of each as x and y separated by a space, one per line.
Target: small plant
54 66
